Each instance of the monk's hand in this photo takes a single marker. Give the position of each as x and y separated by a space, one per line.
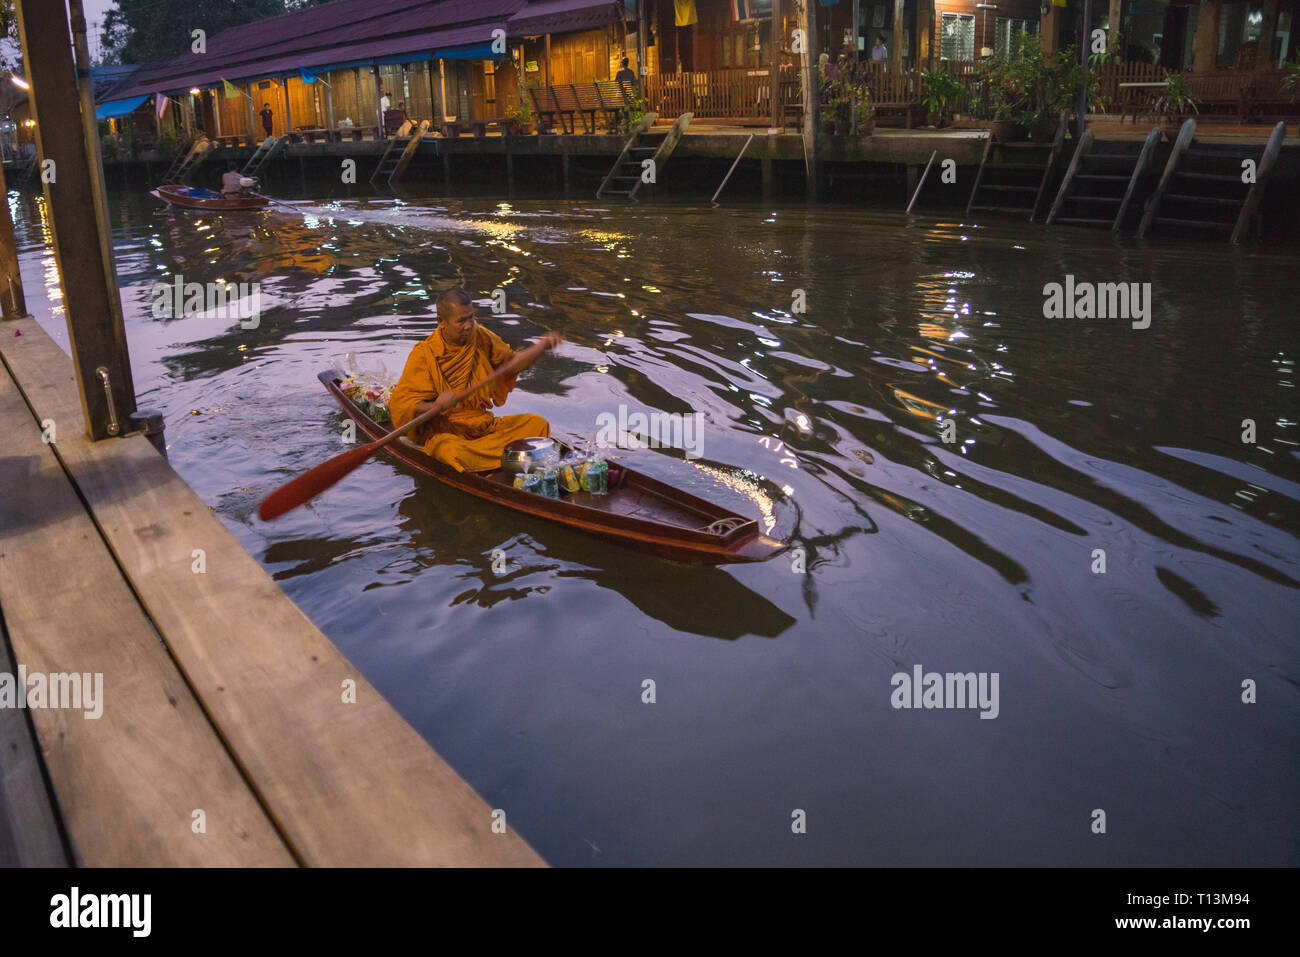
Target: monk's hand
425 406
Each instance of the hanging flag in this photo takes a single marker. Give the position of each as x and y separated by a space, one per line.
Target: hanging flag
307 75
232 91
685 10
740 10
160 103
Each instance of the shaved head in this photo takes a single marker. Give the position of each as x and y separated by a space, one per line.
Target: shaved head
451 300
456 317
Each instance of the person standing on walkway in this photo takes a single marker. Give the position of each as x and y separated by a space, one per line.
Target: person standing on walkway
267 118
880 51
625 75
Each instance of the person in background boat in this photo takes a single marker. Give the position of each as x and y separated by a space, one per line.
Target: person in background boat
880 51
458 353
267 117
230 181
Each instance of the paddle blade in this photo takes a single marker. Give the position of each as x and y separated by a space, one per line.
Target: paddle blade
310 484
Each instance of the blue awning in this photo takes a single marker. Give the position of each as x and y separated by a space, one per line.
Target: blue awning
112 108
475 51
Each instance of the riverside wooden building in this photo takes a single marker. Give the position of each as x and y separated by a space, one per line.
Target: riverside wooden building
324 71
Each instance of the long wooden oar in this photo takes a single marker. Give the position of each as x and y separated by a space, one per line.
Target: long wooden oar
310 484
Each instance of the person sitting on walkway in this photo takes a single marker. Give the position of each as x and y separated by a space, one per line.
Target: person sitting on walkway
458 353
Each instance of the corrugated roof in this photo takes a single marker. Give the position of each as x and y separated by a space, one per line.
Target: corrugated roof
561 16
337 32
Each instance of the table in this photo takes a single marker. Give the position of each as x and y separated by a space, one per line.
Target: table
1139 98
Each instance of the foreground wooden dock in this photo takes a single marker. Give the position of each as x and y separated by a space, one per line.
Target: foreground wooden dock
223 704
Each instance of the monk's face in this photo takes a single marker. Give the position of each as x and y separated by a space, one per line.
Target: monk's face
457 327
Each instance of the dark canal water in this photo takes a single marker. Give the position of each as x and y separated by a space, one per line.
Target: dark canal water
1119 691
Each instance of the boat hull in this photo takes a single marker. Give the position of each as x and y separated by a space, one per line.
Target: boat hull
638 511
190 197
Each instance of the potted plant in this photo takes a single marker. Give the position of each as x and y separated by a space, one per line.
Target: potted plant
940 89
1002 97
1174 103
865 114
519 122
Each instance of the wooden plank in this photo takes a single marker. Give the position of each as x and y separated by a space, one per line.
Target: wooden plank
128 781
1262 175
1144 161
29 833
1081 150
348 784
1185 137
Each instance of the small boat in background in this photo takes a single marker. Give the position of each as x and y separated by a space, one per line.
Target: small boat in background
196 197
637 511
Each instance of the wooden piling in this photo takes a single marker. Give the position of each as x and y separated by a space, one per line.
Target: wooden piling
96 333
12 301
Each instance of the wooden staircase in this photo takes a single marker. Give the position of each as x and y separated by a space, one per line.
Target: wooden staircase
1102 180
184 165
266 151
397 157
624 177
1019 186
1202 188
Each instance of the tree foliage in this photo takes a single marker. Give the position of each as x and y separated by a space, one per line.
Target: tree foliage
149 31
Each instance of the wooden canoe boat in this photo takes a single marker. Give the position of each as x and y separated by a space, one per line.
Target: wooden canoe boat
195 197
638 510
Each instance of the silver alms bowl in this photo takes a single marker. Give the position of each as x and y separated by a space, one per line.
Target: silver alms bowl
522 454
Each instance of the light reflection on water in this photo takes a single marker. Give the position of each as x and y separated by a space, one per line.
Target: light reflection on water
1119 690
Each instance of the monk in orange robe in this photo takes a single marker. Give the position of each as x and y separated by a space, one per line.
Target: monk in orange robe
460 352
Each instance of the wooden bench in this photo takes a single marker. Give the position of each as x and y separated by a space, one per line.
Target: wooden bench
314 134
1221 93
614 98
229 142
1268 100
568 102
893 97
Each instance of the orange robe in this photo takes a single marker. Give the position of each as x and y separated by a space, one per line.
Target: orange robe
468 437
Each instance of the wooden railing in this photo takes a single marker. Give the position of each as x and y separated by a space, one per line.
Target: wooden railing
743 94
716 94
